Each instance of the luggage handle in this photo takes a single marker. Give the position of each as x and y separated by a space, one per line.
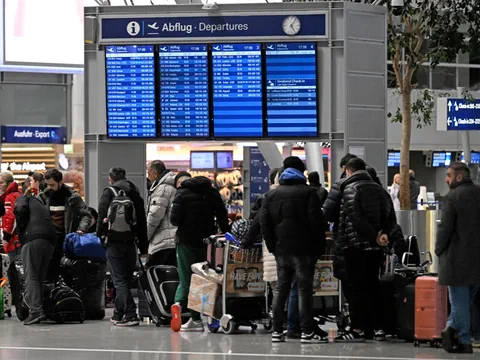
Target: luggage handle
3 282
429 260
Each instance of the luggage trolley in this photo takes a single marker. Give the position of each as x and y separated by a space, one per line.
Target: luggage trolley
243 288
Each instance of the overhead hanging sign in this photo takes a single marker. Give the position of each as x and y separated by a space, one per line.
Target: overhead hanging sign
458 114
34 135
271 26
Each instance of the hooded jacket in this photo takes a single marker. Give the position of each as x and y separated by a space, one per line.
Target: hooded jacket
134 194
77 216
291 218
160 231
34 221
8 198
321 192
458 243
196 208
366 208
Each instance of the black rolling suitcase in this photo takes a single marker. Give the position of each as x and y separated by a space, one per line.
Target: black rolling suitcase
406 314
159 285
88 279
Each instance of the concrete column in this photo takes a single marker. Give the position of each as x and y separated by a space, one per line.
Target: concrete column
313 152
272 155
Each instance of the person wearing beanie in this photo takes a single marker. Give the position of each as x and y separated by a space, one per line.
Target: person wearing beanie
314 181
291 222
181 177
160 231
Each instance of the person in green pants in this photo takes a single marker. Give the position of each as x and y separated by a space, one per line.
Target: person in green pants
198 211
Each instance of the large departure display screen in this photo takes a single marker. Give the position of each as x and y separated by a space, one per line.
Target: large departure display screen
184 110
291 90
237 90
130 88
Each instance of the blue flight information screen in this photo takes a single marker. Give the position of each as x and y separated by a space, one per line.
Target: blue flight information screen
130 73
291 90
237 90
184 110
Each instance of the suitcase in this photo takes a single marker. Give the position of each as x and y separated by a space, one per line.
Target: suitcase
16 276
7 290
431 302
159 285
215 252
61 304
87 278
405 314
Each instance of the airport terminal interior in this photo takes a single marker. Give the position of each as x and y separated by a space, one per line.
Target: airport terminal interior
225 90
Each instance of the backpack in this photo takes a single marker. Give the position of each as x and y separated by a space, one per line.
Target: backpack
122 217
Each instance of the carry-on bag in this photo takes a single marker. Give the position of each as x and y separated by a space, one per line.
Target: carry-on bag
61 304
215 252
16 276
7 290
3 282
83 246
87 278
431 310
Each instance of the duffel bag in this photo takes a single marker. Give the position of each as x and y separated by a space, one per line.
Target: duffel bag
85 246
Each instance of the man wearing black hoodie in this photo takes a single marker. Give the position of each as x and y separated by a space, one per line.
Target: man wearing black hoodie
122 254
197 210
292 225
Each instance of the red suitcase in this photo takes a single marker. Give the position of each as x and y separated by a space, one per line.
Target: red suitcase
431 310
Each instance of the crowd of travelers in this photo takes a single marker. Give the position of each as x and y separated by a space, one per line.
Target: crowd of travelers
290 221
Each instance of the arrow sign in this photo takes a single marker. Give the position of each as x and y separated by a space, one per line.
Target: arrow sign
449 122
449 107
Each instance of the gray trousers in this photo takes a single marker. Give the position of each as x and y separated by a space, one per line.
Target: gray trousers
36 257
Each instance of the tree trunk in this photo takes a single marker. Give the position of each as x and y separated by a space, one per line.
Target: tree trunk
405 148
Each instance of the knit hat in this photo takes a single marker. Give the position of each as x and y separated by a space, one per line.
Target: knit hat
180 175
294 162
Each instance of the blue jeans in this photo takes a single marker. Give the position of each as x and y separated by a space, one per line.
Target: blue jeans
461 299
475 316
293 317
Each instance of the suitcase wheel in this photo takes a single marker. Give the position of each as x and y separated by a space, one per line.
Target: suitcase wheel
268 327
231 328
213 325
416 344
9 313
82 318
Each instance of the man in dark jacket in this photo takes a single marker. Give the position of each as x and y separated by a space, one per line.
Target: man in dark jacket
366 214
38 237
458 249
414 190
197 209
122 254
314 181
292 225
69 214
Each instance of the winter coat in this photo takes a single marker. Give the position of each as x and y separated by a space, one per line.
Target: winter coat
134 194
321 192
160 231
195 208
366 209
77 216
291 218
34 221
8 198
414 192
395 194
331 207
269 265
458 237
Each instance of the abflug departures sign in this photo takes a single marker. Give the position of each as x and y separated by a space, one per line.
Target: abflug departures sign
219 90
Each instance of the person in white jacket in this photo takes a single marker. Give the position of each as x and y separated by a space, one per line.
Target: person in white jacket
160 231
395 192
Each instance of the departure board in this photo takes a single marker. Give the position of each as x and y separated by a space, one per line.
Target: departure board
237 90
184 110
291 90
130 87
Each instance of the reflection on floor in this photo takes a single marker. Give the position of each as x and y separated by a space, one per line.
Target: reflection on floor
100 340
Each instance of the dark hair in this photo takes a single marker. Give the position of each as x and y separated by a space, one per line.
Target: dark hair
355 164
346 159
37 177
273 175
158 166
373 174
117 174
460 168
314 178
54 174
294 162
93 212
30 173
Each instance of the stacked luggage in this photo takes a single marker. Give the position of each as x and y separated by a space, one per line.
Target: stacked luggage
6 297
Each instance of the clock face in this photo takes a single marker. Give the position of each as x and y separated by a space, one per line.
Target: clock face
291 25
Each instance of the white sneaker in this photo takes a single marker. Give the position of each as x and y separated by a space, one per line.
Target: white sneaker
193 326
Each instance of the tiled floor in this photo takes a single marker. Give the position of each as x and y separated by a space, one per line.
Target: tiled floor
100 340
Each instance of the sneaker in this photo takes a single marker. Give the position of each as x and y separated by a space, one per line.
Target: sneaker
463 349
476 344
134 321
448 339
176 323
351 337
315 338
278 337
192 326
33 319
380 335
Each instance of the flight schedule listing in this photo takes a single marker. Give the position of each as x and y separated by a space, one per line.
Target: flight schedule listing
130 87
237 90
291 90
184 109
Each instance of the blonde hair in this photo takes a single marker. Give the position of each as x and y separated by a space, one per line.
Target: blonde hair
7 177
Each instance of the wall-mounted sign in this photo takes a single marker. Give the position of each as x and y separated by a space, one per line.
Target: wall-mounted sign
259 174
458 114
287 25
33 135
25 166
